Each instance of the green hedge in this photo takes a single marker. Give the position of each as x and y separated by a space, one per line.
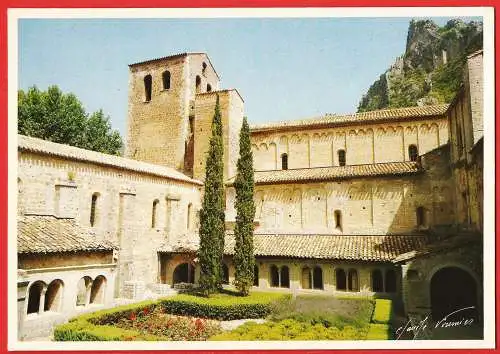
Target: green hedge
221 306
379 332
383 311
98 326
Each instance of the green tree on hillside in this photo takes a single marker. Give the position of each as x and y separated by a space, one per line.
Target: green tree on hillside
58 117
212 213
244 259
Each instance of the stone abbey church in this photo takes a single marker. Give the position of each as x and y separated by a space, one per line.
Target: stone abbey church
385 203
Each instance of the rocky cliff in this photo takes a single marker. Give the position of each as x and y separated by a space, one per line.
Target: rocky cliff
430 70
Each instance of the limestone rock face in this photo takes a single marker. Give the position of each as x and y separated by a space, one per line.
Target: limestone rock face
429 71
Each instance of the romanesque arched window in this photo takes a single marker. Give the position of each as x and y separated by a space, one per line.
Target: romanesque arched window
97 290
154 213
341 156
420 216
274 276
83 291
93 209
284 161
284 277
166 80
209 88
352 280
413 152
340 279
35 293
317 278
390 281
377 281
198 84
148 85
53 296
203 67
338 219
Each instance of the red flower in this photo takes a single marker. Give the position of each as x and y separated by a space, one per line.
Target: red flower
145 311
199 324
132 316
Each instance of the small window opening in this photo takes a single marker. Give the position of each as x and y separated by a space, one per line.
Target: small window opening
198 84
93 209
341 154
154 213
338 219
203 68
209 88
166 80
413 152
189 216
148 81
284 161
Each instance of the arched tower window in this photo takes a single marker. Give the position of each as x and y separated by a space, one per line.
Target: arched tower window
148 82
284 161
166 80
198 84
93 209
154 213
413 152
203 68
338 219
209 88
341 155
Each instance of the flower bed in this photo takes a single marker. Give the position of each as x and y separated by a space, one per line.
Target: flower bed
143 321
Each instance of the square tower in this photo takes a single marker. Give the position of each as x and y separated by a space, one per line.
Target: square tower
160 127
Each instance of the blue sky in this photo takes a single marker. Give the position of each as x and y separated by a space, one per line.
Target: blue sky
284 68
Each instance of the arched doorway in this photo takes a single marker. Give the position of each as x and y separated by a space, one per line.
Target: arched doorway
453 289
183 273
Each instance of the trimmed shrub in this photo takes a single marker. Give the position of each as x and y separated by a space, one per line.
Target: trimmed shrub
222 307
107 325
289 330
383 311
379 332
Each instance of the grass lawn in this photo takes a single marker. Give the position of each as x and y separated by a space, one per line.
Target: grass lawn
309 317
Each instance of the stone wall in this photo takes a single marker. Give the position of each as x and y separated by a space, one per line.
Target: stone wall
231 107
123 210
64 300
368 206
158 129
363 144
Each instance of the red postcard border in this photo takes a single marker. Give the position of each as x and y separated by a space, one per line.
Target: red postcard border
218 4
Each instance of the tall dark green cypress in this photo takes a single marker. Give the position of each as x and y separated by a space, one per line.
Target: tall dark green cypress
244 259
212 213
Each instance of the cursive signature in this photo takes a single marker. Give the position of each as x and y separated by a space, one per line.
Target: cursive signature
445 322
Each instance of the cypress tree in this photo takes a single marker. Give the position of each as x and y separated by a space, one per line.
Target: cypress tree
212 213
244 259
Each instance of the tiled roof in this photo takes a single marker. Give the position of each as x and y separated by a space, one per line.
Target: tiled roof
173 56
334 173
438 246
341 247
47 234
35 145
332 120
